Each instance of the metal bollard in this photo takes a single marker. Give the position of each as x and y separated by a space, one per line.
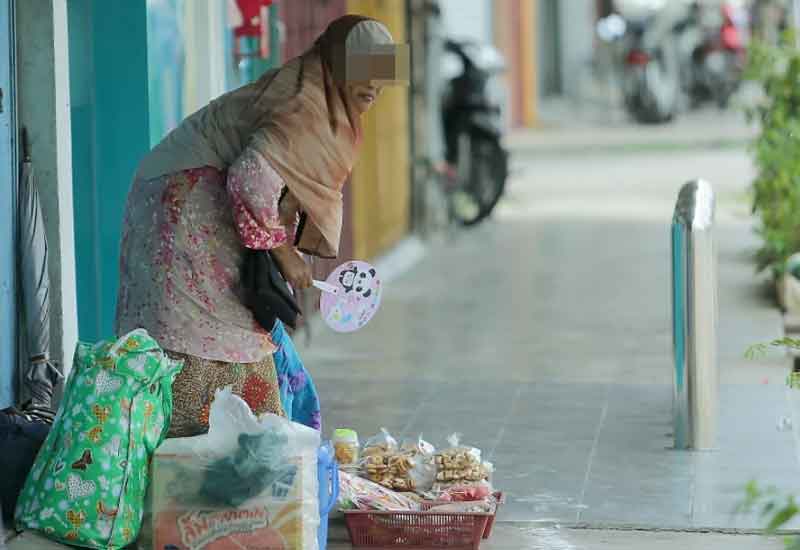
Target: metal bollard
694 317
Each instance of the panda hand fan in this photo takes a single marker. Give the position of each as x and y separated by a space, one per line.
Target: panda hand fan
350 297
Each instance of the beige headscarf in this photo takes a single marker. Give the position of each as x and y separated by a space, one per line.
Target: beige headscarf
298 118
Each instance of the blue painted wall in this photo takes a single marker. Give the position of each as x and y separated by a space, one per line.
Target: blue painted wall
110 134
166 62
8 295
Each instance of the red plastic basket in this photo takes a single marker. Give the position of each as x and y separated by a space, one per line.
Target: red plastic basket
499 499
489 524
420 530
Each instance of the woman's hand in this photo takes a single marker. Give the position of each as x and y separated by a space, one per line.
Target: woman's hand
293 267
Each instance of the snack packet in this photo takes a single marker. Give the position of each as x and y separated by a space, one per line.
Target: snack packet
469 492
356 493
459 463
410 468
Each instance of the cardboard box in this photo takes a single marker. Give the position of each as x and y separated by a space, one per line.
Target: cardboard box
279 518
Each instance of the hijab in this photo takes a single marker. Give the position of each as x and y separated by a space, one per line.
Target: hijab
311 136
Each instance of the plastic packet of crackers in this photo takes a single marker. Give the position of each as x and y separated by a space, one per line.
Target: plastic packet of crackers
459 463
410 469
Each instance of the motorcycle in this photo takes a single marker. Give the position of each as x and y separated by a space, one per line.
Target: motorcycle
472 118
719 60
651 76
678 52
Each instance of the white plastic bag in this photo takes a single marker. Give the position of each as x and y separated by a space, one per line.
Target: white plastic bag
418 446
248 481
423 474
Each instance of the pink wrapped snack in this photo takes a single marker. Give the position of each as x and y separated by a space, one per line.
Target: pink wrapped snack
466 493
362 494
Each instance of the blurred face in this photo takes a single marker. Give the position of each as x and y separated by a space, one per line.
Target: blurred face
362 96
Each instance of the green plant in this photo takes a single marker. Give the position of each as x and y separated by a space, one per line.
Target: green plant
776 189
776 510
759 350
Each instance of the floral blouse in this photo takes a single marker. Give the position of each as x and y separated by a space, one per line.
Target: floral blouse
183 243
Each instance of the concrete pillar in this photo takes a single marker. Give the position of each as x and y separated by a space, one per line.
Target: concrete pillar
508 39
468 19
44 99
528 62
576 19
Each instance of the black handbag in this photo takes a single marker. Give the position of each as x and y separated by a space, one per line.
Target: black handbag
22 433
266 292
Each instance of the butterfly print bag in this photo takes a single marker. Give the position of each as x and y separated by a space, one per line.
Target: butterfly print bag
88 483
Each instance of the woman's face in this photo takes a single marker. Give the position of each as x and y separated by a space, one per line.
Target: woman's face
362 96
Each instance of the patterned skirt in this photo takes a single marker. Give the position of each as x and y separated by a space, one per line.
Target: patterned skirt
194 388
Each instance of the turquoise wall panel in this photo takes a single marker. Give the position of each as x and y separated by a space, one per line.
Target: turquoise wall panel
109 86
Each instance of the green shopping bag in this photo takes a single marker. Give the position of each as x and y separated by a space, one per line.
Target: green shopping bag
88 483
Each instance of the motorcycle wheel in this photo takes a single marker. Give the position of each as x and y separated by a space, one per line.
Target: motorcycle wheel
654 90
728 81
481 181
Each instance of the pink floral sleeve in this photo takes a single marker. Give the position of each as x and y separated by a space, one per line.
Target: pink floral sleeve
255 189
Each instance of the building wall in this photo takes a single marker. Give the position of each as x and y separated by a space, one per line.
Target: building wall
428 210
515 36
81 54
205 30
108 70
468 19
9 291
44 100
548 31
189 59
304 21
166 65
577 21
251 68
529 62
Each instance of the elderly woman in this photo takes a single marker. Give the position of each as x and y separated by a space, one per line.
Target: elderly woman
260 168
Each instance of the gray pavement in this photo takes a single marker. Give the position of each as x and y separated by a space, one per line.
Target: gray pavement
566 127
544 337
507 537
535 537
